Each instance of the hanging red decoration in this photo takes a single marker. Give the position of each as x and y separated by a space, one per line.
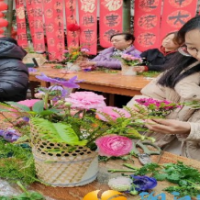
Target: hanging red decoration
1 31
3 22
3 6
1 14
73 27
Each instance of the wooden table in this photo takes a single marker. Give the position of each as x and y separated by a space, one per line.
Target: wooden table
111 83
77 193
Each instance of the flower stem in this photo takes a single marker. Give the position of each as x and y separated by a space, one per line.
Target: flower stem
130 166
120 170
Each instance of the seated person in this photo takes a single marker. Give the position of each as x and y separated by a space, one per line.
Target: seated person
122 43
153 59
13 73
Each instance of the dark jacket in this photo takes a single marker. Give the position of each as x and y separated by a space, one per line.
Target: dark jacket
13 73
104 59
154 59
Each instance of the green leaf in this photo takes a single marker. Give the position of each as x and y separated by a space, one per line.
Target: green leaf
160 177
17 105
38 106
46 112
57 132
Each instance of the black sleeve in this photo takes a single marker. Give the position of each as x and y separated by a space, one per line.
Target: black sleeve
160 67
13 79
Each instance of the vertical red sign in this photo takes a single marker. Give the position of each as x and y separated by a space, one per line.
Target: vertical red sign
147 24
58 9
176 13
88 24
37 14
50 28
30 11
110 20
21 24
70 11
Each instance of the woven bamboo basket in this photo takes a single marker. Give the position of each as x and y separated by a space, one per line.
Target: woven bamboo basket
56 165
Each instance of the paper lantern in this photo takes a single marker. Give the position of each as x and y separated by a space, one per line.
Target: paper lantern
3 6
1 14
1 31
73 27
3 22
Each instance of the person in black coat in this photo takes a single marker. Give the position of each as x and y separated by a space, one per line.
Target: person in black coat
154 59
13 73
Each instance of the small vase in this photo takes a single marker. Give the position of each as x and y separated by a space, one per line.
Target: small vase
128 70
73 67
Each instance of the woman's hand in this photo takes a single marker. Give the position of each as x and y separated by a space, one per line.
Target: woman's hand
139 69
168 126
87 64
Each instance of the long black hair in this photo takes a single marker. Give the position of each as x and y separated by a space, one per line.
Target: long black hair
178 63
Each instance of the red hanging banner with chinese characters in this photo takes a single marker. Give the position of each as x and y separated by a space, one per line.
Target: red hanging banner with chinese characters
176 13
21 24
30 11
70 10
50 28
35 15
147 24
111 20
58 11
88 25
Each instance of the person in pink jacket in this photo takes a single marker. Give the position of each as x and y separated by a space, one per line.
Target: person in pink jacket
121 43
180 132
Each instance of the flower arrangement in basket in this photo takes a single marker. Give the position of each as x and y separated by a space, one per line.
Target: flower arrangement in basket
62 128
128 62
74 56
67 130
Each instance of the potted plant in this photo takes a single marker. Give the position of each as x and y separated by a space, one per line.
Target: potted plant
128 62
74 56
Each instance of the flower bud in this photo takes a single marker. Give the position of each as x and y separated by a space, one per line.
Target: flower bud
67 104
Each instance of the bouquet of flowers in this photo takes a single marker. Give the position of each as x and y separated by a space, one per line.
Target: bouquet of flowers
75 54
156 108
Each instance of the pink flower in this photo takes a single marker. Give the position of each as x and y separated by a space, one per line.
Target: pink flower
114 145
86 100
113 112
29 102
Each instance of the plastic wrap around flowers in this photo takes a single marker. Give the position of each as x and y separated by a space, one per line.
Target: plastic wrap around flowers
114 145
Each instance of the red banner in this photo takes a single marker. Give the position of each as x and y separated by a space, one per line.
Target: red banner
50 28
59 33
176 13
21 24
88 24
30 10
35 12
70 10
147 24
110 20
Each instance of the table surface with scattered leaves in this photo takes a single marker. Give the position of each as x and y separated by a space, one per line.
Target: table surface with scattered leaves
106 81
72 193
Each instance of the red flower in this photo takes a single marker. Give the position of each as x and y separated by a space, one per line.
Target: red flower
73 27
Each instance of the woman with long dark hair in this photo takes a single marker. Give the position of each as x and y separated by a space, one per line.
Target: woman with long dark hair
180 132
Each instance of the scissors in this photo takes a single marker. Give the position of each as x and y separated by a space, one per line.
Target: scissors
144 157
